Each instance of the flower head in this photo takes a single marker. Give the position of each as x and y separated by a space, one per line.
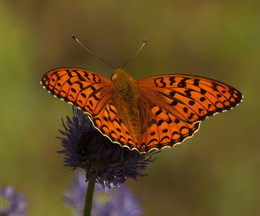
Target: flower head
11 204
115 201
104 162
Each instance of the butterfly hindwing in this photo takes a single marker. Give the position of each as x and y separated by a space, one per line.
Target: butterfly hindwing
165 130
85 89
110 124
191 98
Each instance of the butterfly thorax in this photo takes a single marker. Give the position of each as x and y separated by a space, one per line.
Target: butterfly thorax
125 85
126 101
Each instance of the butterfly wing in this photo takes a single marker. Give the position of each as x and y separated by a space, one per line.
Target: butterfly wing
190 98
94 94
83 88
178 103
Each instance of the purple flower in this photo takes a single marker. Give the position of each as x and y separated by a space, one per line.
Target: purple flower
104 162
11 204
117 201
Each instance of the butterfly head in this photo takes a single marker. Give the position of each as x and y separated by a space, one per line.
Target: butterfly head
117 74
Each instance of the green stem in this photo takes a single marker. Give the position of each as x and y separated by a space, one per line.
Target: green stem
89 198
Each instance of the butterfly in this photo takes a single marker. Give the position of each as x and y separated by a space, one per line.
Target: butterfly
152 113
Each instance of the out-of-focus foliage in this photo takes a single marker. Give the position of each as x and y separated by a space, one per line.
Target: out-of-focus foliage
214 173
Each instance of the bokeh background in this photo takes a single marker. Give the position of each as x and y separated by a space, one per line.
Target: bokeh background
215 173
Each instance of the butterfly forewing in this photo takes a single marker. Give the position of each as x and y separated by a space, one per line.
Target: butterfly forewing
86 89
191 98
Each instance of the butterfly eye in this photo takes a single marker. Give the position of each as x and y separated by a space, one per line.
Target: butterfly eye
114 76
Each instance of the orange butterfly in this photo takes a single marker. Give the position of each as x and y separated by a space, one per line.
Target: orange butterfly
151 113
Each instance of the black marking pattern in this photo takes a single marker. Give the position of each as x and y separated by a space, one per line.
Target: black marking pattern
165 130
85 89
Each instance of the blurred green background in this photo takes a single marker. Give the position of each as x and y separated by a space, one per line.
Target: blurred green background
215 173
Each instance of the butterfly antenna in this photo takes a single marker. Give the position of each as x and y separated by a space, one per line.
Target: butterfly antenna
90 52
138 51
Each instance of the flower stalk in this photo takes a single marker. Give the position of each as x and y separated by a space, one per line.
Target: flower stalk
89 198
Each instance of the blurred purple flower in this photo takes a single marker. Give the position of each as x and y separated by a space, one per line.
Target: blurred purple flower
104 162
11 204
117 201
